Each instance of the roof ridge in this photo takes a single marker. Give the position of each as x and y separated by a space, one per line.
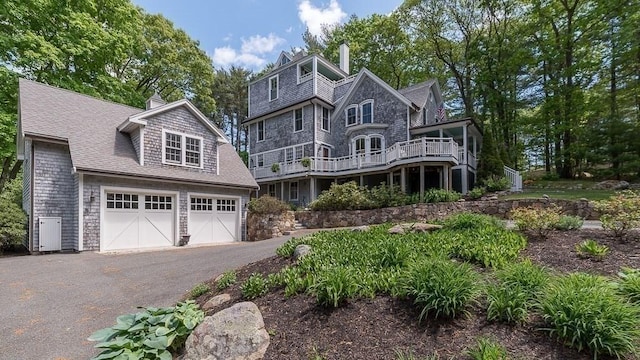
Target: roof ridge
415 86
79 94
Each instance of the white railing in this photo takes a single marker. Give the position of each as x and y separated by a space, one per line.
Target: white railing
469 159
424 148
514 178
305 77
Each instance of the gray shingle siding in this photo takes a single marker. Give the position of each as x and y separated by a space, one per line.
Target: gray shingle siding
289 92
321 135
182 121
26 178
93 184
279 131
135 140
55 192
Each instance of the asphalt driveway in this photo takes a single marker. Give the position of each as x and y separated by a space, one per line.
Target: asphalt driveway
50 304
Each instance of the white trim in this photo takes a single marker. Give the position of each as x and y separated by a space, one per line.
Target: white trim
301 119
80 212
139 191
346 115
297 190
277 77
326 144
141 138
239 207
264 131
217 160
322 109
183 150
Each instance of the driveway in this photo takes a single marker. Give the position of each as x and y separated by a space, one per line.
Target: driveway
50 304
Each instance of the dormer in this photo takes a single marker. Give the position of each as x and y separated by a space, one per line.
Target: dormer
283 59
154 101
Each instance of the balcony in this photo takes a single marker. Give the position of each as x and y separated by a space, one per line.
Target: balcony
469 159
419 150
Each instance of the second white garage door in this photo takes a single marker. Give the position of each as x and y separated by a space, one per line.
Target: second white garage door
213 220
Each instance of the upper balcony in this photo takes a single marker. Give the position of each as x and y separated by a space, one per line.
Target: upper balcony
406 152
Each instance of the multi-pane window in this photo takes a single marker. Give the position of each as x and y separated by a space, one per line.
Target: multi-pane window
299 150
360 146
226 205
352 115
288 154
272 190
260 160
157 202
122 201
181 149
293 190
260 130
375 144
173 148
366 113
201 204
192 151
325 119
297 120
273 88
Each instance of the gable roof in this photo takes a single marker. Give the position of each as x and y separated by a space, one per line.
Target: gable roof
419 93
89 127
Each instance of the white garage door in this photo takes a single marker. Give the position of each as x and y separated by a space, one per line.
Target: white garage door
137 220
213 220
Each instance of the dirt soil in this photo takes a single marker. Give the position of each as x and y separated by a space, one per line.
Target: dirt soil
379 328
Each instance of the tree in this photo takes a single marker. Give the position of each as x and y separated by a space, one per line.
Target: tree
230 90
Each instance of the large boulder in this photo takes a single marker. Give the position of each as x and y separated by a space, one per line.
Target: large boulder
612 185
300 251
235 333
216 301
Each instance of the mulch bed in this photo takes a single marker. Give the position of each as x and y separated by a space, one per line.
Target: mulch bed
378 328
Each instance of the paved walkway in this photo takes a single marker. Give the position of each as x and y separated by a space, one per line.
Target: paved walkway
588 224
51 303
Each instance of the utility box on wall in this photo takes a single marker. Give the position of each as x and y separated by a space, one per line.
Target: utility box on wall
50 230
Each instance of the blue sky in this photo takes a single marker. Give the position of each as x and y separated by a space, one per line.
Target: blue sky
251 33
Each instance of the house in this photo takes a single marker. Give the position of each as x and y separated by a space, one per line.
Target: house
105 176
311 123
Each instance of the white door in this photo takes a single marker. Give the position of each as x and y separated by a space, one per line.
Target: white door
135 221
213 220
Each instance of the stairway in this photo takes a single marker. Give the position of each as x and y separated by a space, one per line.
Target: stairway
296 226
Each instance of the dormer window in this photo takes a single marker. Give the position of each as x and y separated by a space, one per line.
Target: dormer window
352 115
284 60
181 149
273 87
366 112
359 113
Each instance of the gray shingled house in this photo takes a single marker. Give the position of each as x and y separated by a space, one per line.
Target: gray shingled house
104 176
311 123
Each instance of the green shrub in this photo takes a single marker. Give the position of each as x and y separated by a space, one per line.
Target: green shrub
476 193
286 250
440 195
151 334
620 213
199 289
255 286
12 218
383 195
629 284
334 286
489 246
507 302
442 287
393 253
347 196
591 249
585 311
568 222
227 279
487 349
540 221
275 167
471 221
305 161
266 204
497 183
528 276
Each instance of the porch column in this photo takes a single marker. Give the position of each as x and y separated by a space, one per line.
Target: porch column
403 182
446 179
282 190
421 183
464 146
441 133
465 179
361 180
475 148
312 189
390 179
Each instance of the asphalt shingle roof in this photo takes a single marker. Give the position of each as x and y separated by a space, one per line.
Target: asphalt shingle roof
89 125
418 93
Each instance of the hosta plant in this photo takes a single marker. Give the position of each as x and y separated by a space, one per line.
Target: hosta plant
227 279
591 249
255 286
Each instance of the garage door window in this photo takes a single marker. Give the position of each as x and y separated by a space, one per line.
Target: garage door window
226 205
157 202
122 201
201 204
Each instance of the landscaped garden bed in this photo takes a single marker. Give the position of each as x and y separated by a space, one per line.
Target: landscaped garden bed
374 295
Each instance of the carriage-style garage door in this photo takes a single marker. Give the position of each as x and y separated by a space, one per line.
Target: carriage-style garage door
213 220
137 220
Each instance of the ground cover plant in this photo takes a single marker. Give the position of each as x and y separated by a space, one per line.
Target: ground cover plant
355 295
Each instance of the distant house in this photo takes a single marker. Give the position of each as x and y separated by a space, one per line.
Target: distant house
321 125
104 176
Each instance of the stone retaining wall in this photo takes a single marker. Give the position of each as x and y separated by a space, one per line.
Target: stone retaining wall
267 226
438 211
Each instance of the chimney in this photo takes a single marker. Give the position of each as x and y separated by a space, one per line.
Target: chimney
154 101
344 58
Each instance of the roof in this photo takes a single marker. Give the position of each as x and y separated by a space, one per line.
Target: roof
418 93
89 126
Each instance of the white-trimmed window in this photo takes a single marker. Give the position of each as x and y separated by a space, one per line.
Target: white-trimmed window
326 120
293 190
351 114
371 144
122 201
181 149
157 202
260 160
359 145
299 151
273 87
375 144
260 131
201 204
366 112
272 190
225 205
288 154
297 120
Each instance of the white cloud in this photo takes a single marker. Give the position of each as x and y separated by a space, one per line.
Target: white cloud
261 44
227 56
314 17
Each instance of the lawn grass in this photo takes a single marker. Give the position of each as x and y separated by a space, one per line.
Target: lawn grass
561 194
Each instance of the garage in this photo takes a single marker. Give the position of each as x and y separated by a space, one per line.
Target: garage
213 219
135 220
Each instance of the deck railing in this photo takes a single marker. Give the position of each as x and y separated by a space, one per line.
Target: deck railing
514 178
